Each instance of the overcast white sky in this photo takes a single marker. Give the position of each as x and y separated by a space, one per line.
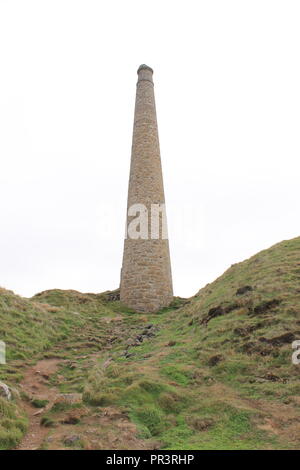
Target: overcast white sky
227 84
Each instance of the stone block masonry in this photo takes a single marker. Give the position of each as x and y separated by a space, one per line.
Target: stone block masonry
146 279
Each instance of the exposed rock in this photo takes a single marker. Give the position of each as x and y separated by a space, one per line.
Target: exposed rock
113 296
69 440
5 391
39 412
147 333
140 338
68 398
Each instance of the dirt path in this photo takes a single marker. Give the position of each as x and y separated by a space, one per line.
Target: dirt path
36 385
74 423
109 428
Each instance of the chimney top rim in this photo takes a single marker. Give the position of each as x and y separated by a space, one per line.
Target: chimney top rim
144 67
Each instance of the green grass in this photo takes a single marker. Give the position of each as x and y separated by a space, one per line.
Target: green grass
170 385
39 403
12 424
29 328
32 329
185 367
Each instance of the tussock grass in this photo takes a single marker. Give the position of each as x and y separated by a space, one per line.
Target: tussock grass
214 375
184 397
12 424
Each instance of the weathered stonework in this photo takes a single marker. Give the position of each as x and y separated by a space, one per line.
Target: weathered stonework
146 280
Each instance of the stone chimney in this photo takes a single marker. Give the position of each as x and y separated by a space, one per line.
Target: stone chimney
146 280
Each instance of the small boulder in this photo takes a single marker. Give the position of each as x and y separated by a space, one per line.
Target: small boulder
68 398
140 338
5 391
39 412
70 440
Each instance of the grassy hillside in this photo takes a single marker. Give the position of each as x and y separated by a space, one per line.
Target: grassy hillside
213 372
30 328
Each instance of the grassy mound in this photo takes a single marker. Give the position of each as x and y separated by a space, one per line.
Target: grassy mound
13 424
31 329
213 372
218 373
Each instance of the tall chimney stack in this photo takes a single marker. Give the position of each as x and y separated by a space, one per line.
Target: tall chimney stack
146 279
